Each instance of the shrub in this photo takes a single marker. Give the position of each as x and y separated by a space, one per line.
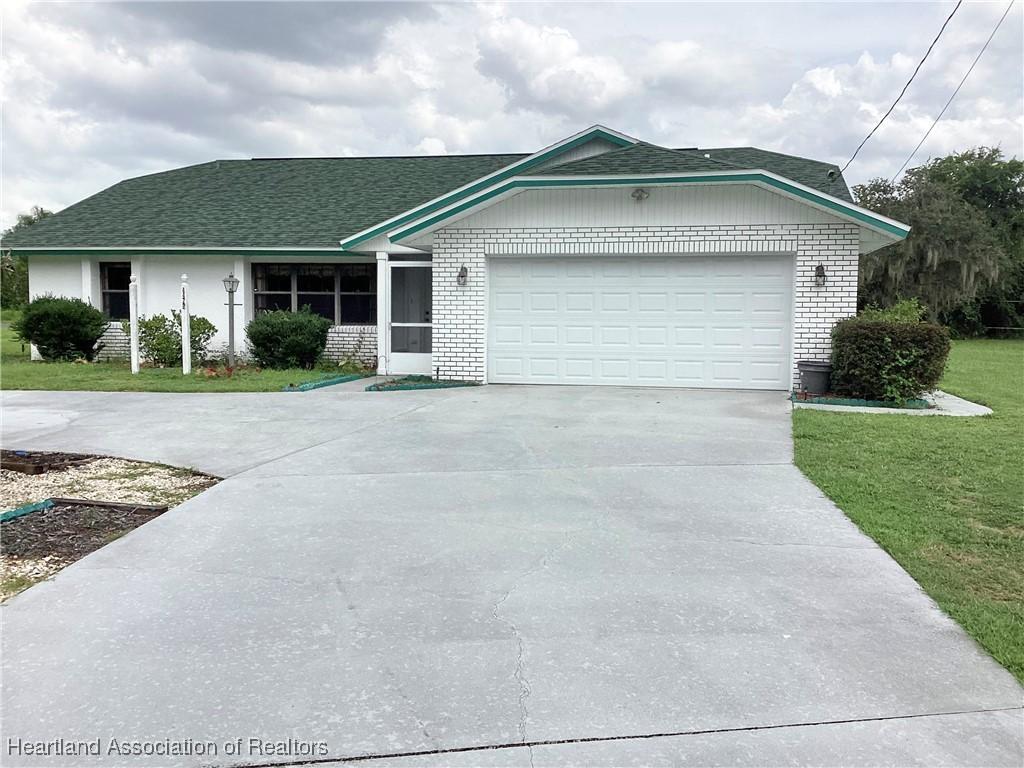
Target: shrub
61 328
287 339
160 337
903 311
880 360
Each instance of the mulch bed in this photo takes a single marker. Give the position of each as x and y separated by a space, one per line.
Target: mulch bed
38 462
37 545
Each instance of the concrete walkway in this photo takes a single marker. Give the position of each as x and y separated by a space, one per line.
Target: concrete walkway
606 576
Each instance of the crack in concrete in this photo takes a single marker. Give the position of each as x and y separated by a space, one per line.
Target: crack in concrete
518 671
623 737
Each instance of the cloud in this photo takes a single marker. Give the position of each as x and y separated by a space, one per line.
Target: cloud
95 93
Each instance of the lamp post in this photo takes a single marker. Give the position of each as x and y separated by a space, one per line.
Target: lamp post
231 285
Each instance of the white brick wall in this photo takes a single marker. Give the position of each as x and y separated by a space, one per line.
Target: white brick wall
353 342
459 340
116 343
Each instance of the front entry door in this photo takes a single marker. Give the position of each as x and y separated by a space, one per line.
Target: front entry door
409 332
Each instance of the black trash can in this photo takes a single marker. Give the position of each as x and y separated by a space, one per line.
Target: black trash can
814 376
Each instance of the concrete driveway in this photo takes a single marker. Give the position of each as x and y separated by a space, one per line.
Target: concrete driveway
608 576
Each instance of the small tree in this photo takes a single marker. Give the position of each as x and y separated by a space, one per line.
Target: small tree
14 269
61 328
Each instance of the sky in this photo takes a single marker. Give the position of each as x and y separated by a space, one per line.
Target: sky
96 93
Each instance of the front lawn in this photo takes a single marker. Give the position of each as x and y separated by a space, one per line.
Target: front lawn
17 372
944 496
117 377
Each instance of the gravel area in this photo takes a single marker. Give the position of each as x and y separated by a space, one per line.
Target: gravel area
104 480
38 545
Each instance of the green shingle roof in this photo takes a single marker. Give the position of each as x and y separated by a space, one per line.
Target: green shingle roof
811 173
315 202
297 203
638 158
649 158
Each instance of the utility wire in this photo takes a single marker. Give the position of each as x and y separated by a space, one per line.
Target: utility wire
936 122
916 70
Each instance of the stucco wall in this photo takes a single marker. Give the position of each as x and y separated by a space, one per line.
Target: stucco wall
159 286
460 312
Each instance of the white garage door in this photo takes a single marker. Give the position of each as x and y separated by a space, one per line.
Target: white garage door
706 321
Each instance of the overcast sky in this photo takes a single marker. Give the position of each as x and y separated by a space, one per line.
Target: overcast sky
95 93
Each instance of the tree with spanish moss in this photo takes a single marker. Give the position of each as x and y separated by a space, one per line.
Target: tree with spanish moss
964 258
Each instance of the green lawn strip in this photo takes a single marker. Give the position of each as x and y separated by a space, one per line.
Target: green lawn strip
117 377
943 495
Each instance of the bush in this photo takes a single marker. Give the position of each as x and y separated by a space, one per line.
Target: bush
884 360
903 311
287 339
160 337
61 328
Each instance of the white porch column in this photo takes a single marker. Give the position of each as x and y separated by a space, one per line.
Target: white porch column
383 311
87 286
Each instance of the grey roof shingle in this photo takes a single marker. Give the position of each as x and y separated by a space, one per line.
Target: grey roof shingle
315 202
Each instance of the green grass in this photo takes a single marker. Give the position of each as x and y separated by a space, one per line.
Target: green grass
18 372
943 495
116 377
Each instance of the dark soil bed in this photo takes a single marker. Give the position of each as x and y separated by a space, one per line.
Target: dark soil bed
37 545
38 462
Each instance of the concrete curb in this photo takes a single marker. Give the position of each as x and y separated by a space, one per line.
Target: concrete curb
943 404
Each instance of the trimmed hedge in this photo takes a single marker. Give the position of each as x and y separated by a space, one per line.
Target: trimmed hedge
61 328
288 339
892 361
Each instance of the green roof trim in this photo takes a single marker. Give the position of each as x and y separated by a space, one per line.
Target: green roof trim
591 135
819 198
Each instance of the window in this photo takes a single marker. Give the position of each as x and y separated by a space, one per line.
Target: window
114 280
346 294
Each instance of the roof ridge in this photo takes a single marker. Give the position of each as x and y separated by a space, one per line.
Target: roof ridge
392 157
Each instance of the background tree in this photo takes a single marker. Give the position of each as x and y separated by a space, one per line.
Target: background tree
14 269
964 258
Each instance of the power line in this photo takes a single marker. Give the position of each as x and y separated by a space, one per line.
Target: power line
936 122
916 70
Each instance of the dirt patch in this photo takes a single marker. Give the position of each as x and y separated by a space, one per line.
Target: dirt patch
95 502
37 545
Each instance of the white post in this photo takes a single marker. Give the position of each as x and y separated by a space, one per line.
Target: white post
383 311
186 330
133 319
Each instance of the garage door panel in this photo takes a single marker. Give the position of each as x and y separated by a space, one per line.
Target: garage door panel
614 301
579 335
691 302
716 321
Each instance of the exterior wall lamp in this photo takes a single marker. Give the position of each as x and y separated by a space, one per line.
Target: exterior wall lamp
463 276
639 195
820 278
